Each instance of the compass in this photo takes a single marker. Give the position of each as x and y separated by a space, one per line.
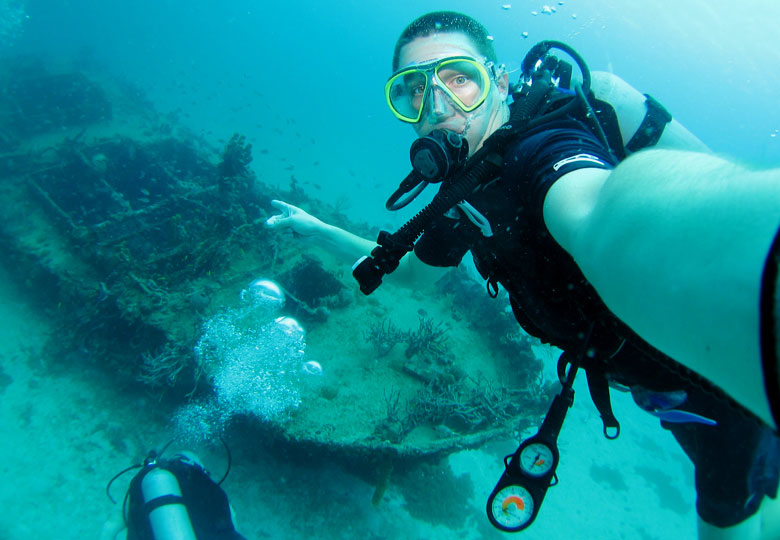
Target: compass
536 459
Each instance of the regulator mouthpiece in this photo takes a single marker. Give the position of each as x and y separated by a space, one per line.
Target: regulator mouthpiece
437 155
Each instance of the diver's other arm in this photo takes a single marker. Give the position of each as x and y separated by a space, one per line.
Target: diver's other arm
345 244
411 272
675 244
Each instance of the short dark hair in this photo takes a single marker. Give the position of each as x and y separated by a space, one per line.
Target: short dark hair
446 21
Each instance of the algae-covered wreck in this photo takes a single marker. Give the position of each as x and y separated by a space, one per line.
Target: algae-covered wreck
136 232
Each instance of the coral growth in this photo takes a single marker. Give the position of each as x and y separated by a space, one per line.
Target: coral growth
163 367
465 406
236 157
383 336
312 290
428 340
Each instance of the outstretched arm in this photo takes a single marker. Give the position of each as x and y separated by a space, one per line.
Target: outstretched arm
341 243
411 272
675 243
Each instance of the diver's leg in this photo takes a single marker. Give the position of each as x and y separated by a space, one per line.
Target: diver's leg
111 530
770 518
750 529
736 467
765 525
770 328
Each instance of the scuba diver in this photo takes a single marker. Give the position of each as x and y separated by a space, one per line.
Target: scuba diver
172 499
647 268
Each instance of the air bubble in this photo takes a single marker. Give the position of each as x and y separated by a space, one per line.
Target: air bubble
312 368
263 292
253 359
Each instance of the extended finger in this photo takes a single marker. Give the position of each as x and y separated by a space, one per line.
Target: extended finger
283 206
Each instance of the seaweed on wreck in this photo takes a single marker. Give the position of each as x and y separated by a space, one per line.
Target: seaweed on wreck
462 407
494 319
236 158
467 405
125 236
429 339
166 366
312 290
383 337
396 425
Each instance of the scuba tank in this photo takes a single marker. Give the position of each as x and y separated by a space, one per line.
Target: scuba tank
176 499
168 516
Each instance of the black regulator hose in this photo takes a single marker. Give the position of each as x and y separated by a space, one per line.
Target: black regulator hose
538 52
447 198
384 259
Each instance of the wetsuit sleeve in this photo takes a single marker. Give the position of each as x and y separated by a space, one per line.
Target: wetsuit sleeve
534 163
441 245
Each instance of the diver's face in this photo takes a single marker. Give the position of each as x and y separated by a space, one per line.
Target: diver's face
439 110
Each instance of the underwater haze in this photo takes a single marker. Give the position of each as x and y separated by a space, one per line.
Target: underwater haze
308 76
303 84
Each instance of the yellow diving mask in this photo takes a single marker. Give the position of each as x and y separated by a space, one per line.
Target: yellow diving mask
463 79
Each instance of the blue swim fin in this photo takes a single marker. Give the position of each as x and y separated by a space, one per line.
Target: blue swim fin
661 404
680 417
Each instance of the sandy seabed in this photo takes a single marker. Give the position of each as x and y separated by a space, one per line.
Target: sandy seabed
66 433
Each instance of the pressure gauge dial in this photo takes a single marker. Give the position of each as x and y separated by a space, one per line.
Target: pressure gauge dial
511 508
536 459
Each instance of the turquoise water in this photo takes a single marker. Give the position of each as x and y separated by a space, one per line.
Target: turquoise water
303 82
308 75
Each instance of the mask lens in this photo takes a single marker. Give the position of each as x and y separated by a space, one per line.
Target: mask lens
466 82
405 92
